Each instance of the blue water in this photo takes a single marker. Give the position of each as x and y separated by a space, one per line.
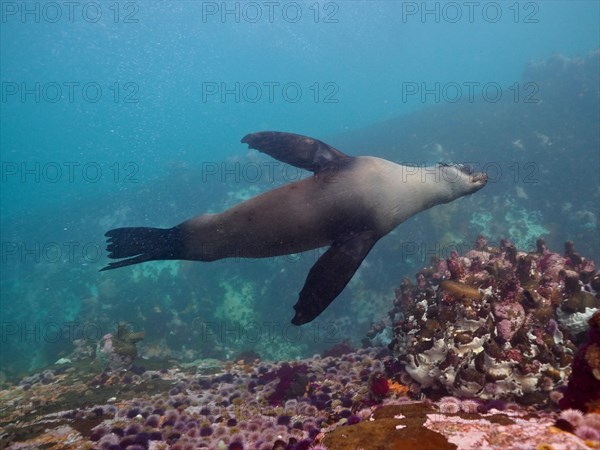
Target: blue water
113 114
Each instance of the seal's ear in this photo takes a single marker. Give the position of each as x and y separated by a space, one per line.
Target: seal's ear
297 150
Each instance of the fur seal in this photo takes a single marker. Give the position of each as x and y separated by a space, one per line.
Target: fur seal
348 204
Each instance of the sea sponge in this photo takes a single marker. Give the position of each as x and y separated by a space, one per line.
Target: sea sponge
398 389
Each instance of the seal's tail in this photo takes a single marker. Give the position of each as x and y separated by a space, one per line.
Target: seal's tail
140 244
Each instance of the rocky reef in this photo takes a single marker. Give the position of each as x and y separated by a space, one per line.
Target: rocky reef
342 402
495 323
486 348
221 405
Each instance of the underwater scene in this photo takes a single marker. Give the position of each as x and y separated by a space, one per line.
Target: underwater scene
294 225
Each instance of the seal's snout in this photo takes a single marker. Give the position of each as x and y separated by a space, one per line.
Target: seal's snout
479 178
478 181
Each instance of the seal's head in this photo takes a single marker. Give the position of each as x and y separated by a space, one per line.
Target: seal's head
460 179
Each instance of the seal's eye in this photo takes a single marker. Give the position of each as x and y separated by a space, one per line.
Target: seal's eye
466 169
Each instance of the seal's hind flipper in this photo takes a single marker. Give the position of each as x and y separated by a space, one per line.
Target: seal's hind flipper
140 244
300 151
330 275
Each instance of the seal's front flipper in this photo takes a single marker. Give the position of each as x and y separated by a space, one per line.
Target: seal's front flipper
140 244
300 151
330 275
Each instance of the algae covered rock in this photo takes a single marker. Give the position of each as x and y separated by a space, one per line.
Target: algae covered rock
118 351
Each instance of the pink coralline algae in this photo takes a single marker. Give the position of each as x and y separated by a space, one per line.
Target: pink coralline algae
496 323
